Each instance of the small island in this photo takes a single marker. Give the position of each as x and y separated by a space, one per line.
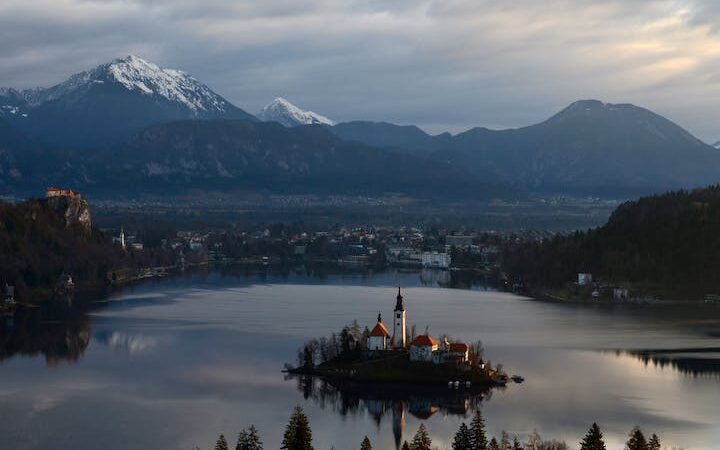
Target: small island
380 357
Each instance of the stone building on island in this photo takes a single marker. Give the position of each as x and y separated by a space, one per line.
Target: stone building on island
423 347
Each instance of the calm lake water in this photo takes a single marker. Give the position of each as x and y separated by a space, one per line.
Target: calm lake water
174 363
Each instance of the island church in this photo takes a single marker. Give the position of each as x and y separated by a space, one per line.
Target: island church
421 348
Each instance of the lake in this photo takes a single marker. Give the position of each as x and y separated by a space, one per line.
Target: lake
171 364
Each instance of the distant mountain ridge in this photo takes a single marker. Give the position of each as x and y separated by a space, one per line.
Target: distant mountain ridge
589 148
285 113
111 102
255 156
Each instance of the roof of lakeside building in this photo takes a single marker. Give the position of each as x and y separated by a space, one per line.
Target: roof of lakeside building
424 340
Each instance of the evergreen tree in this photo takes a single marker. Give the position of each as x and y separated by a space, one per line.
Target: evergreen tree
249 439
534 441
637 440
493 444
477 430
242 440
504 441
462 439
516 444
405 446
298 435
593 439
654 443
221 443
366 444
422 440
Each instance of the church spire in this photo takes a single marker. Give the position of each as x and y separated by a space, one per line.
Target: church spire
399 304
399 338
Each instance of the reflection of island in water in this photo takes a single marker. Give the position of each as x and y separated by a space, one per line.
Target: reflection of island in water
58 331
696 361
390 401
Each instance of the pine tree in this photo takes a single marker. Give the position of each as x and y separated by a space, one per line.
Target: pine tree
298 435
637 440
366 444
534 441
422 440
221 443
249 439
516 444
242 440
593 439
405 446
505 441
493 444
462 439
654 443
477 430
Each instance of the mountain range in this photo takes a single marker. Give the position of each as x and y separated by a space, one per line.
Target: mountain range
131 123
108 104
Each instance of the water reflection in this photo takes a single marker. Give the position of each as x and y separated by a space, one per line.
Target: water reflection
390 401
58 331
703 361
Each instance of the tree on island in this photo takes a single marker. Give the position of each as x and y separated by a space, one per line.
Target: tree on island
366 445
221 443
298 435
462 439
477 431
654 443
422 440
593 439
249 439
637 440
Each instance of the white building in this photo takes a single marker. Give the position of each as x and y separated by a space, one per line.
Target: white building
584 279
435 260
423 347
379 336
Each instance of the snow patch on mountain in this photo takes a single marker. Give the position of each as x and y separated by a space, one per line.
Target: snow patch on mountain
282 111
136 74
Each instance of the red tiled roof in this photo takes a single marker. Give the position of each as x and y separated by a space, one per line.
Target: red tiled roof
380 330
459 347
424 340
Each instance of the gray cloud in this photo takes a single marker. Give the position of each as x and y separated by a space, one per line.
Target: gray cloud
442 64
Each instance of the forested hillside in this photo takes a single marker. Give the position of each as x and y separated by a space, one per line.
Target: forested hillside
41 239
669 241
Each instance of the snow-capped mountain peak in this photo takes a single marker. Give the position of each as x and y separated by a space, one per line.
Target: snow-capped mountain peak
282 111
138 75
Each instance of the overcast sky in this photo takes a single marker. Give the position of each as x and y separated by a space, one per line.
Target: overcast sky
443 65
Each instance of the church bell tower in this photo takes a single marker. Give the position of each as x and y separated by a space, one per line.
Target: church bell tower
399 339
